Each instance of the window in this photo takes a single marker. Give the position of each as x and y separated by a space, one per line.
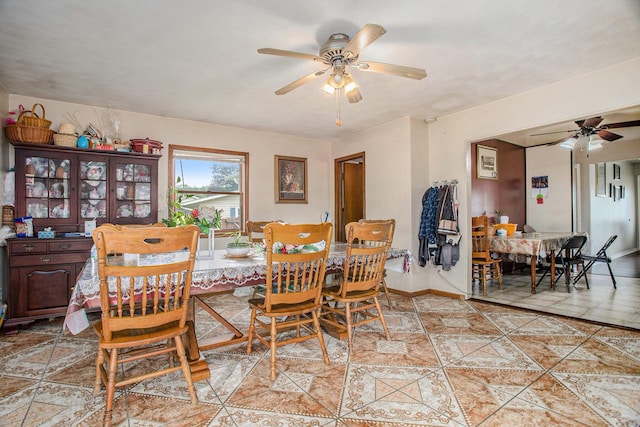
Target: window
212 178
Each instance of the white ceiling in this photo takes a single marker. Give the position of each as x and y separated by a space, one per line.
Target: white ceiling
197 59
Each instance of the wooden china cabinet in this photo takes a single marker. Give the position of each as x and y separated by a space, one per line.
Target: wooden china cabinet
61 188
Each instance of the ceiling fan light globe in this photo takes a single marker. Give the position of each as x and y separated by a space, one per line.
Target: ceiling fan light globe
354 95
336 80
350 85
328 88
569 143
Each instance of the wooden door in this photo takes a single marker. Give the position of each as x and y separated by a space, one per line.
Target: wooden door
350 192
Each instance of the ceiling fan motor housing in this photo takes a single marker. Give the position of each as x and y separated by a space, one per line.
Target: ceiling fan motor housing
331 50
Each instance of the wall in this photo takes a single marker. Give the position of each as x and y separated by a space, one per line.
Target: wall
555 213
506 193
262 147
420 154
600 215
395 182
450 137
610 217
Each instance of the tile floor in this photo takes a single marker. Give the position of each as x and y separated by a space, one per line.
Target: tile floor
450 363
600 303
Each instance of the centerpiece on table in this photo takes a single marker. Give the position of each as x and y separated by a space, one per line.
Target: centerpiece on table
238 247
207 218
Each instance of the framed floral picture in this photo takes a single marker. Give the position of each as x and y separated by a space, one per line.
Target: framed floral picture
291 179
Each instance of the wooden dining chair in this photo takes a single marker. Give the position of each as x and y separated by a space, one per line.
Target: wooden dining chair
384 272
483 266
154 265
359 286
255 230
296 263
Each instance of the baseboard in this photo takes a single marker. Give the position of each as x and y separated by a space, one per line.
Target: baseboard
426 292
624 253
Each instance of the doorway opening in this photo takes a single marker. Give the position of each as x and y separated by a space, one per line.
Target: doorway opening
350 202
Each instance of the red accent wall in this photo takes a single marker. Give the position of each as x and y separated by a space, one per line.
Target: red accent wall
508 192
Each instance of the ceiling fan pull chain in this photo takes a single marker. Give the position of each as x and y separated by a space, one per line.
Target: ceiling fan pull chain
337 97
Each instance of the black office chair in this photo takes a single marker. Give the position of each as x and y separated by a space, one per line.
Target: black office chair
600 256
568 256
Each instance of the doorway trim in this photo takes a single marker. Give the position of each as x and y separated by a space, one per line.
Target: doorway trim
338 191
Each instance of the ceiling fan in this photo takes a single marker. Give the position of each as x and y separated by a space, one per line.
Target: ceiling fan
593 132
338 53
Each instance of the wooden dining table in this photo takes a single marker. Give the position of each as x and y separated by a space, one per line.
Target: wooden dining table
211 275
533 245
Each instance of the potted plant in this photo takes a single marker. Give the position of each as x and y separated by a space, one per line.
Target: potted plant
206 217
237 247
502 218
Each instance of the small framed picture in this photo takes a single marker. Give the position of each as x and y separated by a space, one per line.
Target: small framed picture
487 160
601 179
291 179
616 172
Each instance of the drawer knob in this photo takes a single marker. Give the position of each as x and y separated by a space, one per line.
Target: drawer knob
64 246
45 260
28 247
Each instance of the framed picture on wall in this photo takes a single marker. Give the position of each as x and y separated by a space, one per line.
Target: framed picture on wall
616 172
487 159
291 179
601 179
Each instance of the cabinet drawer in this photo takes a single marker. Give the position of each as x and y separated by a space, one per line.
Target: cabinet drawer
27 247
44 260
71 245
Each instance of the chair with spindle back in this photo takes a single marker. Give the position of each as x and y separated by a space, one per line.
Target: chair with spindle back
145 280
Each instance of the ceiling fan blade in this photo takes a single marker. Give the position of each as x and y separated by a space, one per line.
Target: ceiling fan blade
622 124
396 70
552 142
609 136
591 122
551 133
289 53
302 80
367 35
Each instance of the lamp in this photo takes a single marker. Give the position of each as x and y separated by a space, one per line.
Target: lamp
340 81
594 142
569 143
351 90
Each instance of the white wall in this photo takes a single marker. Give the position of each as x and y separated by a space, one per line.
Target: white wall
601 216
610 217
554 214
450 136
403 156
262 146
395 181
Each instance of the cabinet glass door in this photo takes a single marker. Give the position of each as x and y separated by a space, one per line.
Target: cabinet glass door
47 187
133 190
93 189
